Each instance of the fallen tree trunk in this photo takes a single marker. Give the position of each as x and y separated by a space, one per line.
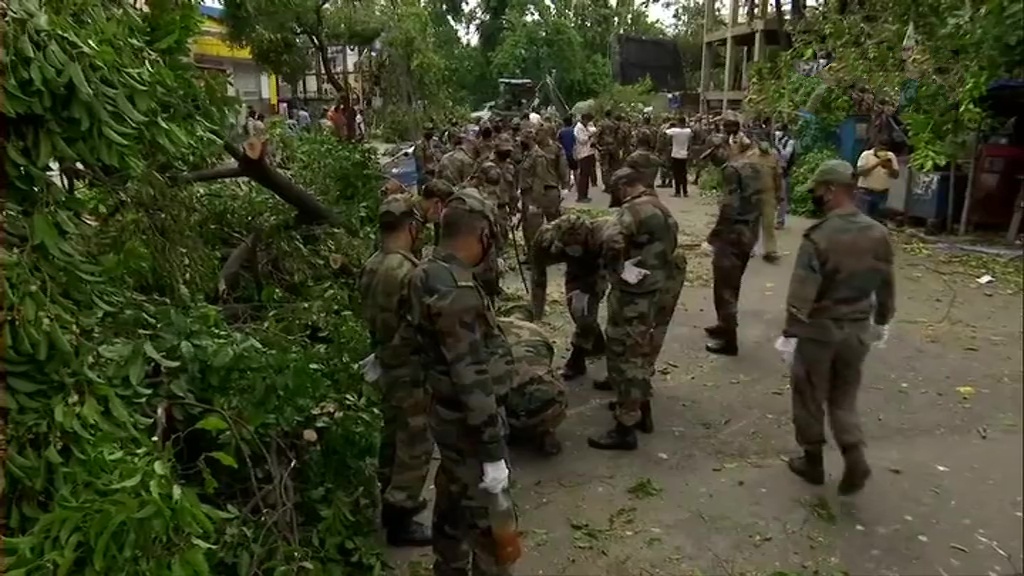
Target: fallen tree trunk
245 252
210 174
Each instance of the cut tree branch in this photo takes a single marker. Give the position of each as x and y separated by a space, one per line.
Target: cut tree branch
246 251
218 173
253 164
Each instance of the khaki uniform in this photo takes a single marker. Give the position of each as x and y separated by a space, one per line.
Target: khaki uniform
771 193
843 261
456 167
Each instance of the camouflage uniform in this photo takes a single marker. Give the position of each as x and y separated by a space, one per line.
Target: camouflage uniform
663 148
456 167
733 238
406 445
771 191
552 245
607 145
427 156
537 401
844 262
644 231
545 173
645 162
496 182
468 369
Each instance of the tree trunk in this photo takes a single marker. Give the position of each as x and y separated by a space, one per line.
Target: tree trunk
218 173
325 61
246 251
785 42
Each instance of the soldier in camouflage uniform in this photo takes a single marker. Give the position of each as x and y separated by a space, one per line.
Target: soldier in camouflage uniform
573 239
406 445
771 193
663 148
639 251
842 284
646 128
607 147
485 143
457 166
738 142
468 369
645 161
544 174
495 179
732 238
426 154
392 187
537 401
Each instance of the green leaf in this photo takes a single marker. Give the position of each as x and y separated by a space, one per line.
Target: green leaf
225 459
223 357
44 232
133 481
212 423
137 369
160 467
152 353
195 558
79 79
23 386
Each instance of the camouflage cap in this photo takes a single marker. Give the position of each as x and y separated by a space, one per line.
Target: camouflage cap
833 172
503 145
625 177
471 200
398 205
439 189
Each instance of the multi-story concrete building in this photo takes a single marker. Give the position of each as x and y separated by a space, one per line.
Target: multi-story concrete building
254 85
750 31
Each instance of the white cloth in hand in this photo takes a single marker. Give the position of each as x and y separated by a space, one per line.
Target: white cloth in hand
632 273
786 347
370 368
578 304
881 335
495 477
707 248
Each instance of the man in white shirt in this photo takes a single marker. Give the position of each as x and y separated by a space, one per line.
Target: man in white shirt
586 161
876 168
535 118
681 135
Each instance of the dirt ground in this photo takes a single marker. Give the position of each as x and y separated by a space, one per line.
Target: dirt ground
708 493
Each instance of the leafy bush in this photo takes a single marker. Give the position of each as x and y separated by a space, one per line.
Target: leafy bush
800 177
164 420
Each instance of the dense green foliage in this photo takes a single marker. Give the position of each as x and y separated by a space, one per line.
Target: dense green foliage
158 424
959 49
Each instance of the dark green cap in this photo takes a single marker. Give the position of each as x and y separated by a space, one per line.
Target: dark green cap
833 172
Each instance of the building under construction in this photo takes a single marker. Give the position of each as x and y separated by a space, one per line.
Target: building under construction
736 35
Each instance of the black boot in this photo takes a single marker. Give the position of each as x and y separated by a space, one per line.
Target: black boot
402 530
856 471
621 437
724 347
810 467
576 365
549 444
597 350
603 385
646 423
716 331
771 257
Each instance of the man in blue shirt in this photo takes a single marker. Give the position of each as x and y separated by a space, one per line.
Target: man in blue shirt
567 139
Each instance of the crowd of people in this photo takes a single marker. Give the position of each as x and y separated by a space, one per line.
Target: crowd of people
466 369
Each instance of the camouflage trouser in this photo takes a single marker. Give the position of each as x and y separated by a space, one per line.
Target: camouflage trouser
536 407
665 305
610 162
463 543
769 205
406 444
828 374
629 340
545 206
732 253
587 332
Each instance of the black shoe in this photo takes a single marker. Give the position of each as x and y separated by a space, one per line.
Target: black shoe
727 347
646 423
856 471
549 445
620 437
810 467
409 534
576 365
583 200
716 331
603 385
771 257
677 195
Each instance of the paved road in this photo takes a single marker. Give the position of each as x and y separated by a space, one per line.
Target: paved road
708 492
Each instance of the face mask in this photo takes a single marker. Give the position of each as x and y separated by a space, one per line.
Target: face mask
818 202
574 251
503 156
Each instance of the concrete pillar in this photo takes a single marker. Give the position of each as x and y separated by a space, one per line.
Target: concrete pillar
758 45
706 54
745 69
729 65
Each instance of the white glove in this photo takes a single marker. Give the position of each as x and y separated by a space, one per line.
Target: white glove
578 304
786 346
495 477
707 248
501 265
882 335
632 273
370 368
